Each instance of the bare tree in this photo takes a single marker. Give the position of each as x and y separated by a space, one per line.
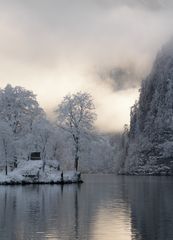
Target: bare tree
76 115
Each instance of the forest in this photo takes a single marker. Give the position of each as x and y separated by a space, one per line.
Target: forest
147 146
72 142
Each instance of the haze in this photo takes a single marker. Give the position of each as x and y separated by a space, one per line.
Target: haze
105 47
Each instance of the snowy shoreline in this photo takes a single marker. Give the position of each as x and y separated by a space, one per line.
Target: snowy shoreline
7 183
31 172
69 178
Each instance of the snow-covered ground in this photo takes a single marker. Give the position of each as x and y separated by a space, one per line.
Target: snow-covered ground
29 172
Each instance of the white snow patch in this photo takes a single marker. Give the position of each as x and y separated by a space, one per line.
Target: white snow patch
32 172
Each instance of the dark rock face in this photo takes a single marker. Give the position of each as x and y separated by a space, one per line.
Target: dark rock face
150 137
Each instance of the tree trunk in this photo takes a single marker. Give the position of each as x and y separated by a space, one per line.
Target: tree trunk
43 157
6 161
76 163
44 163
6 170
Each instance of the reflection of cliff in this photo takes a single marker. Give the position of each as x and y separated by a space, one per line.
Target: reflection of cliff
104 208
151 202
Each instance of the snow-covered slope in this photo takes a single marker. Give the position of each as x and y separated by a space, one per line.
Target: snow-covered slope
150 139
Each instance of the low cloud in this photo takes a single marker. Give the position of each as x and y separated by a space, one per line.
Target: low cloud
103 46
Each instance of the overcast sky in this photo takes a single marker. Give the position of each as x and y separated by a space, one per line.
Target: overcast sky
105 47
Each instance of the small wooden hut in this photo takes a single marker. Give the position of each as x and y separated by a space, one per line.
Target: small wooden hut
35 156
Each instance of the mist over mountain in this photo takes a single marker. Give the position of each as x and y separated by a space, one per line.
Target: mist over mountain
149 143
104 47
120 78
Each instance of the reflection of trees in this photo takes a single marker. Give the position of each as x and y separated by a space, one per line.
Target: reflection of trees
36 212
76 207
44 210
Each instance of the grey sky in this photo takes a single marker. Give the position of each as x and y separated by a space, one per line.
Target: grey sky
102 46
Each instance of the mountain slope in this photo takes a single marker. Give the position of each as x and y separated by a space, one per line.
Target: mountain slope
150 138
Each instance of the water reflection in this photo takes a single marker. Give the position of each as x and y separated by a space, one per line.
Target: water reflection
104 208
151 203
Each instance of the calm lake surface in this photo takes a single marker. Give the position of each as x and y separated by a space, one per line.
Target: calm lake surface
105 207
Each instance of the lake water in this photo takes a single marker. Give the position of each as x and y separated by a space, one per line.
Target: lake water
105 207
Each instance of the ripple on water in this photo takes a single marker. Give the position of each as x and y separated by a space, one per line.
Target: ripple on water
105 207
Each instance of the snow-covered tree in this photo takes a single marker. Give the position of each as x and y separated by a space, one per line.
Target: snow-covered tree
57 146
24 129
76 115
97 154
6 146
19 108
151 126
42 133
